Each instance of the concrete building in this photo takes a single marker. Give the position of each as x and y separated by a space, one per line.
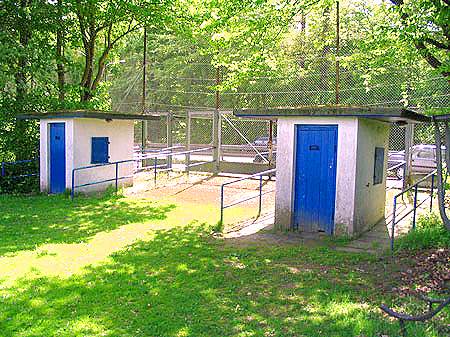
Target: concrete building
74 139
331 165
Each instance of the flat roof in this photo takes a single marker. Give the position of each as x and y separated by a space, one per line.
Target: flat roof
387 114
97 114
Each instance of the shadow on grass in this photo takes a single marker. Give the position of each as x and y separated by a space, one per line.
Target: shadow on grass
182 283
27 222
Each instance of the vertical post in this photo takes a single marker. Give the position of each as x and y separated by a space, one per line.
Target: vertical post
169 137
270 143
216 125
3 169
409 141
415 206
432 192
221 204
72 190
144 124
188 141
155 166
260 194
117 176
394 210
337 52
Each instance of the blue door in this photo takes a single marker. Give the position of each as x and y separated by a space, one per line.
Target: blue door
57 158
315 178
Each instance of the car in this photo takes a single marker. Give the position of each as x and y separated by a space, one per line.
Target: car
423 159
263 141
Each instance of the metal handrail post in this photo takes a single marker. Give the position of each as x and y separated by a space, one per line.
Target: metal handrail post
415 206
260 194
393 223
154 169
221 203
72 191
117 176
432 192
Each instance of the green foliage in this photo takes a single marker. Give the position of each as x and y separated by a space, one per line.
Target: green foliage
430 233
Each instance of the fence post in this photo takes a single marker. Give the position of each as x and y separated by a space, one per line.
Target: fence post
3 169
432 192
188 141
415 206
393 223
221 204
117 176
169 137
260 194
72 191
154 169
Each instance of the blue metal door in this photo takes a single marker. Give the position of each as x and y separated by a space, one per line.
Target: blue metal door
57 158
315 178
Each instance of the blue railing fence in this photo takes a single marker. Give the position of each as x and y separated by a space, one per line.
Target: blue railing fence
259 176
116 178
15 175
137 158
396 218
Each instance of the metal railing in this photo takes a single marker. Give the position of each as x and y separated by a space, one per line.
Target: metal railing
167 152
260 194
5 164
416 205
115 179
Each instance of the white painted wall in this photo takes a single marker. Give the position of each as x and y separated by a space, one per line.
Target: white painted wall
345 171
121 138
370 198
78 150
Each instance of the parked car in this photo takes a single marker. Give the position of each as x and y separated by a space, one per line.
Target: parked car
423 159
263 141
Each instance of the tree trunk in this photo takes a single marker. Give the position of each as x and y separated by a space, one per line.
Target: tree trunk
441 182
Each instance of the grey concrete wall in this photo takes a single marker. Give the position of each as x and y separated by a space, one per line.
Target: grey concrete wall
370 198
345 175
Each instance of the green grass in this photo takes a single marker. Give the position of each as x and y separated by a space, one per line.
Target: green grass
430 232
116 266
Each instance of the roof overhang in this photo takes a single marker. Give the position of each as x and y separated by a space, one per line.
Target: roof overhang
385 114
95 114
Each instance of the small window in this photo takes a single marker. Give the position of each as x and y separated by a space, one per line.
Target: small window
378 171
100 150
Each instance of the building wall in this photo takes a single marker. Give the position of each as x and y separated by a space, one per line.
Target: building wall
370 198
44 147
345 171
78 151
121 138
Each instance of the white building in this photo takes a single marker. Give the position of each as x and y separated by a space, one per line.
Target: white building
70 141
331 165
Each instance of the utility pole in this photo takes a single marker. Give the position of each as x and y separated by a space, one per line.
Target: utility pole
337 52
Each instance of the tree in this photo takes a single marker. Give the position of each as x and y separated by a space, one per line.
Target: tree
427 24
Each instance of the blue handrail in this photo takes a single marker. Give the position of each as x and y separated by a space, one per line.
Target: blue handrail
260 194
415 205
4 164
115 179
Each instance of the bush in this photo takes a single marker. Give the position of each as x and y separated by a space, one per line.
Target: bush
430 232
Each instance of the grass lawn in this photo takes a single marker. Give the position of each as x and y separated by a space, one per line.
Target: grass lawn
120 266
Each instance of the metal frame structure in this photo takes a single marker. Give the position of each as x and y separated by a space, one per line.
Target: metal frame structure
260 192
